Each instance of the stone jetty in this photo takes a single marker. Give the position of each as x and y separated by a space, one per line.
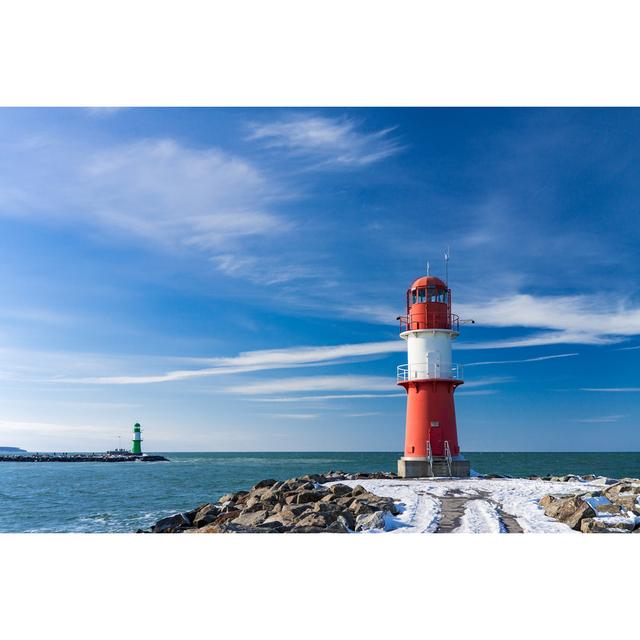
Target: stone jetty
298 505
82 457
336 502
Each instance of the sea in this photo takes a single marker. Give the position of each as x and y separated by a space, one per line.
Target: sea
103 497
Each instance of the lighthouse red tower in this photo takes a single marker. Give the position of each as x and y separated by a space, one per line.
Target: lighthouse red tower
430 379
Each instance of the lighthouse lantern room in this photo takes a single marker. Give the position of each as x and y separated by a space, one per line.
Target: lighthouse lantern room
430 379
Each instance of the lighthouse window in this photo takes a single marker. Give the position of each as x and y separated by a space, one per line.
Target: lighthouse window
436 295
413 297
421 295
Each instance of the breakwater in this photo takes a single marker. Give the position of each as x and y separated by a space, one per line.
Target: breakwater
82 457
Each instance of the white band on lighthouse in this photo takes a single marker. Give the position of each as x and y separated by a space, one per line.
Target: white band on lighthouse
429 353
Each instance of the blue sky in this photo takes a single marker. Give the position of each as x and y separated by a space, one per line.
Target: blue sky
231 277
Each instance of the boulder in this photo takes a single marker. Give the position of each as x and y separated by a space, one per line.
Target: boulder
224 517
370 521
314 520
172 524
233 497
348 519
570 510
359 507
264 484
251 519
607 525
308 496
206 515
340 490
338 526
285 518
358 489
306 529
625 493
296 509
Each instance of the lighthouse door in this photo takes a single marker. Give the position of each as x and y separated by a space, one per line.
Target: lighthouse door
433 364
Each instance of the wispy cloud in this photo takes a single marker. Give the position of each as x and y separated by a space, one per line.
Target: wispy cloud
330 141
336 396
538 359
337 383
583 319
251 361
612 389
314 383
175 196
600 419
294 416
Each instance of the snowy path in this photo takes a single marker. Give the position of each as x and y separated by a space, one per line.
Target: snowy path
471 505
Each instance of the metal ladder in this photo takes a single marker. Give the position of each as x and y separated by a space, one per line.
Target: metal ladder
447 455
430 457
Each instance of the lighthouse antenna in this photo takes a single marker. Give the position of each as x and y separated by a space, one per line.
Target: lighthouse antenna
447 255
428 268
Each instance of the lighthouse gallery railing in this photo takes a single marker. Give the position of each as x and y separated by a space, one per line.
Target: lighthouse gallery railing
426 372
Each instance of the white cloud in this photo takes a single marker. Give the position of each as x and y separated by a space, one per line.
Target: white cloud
334 141
539 359
612 389
344 396
251 361
170 193
586 319
175 196
294 416
335 383
315 383
600 419
580 319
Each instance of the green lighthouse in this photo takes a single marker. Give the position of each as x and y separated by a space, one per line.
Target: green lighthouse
136 443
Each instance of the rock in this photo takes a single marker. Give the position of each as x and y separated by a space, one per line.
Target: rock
296 509
314 520
251 519
607 525
306 529
573 510
348 519
339 526
233 497
206 515
345 502
308 496
370 521
625 494
340 490
172 524
224 517
292 484
358 489
264 484
285 518
359 507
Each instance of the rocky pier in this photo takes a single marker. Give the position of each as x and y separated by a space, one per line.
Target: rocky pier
298 505
82 457
335 502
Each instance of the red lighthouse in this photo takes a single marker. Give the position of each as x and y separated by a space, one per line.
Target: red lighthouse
430 379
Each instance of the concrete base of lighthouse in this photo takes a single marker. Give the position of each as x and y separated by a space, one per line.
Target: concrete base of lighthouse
420 468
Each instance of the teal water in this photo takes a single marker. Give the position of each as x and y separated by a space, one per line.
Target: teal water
122 497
